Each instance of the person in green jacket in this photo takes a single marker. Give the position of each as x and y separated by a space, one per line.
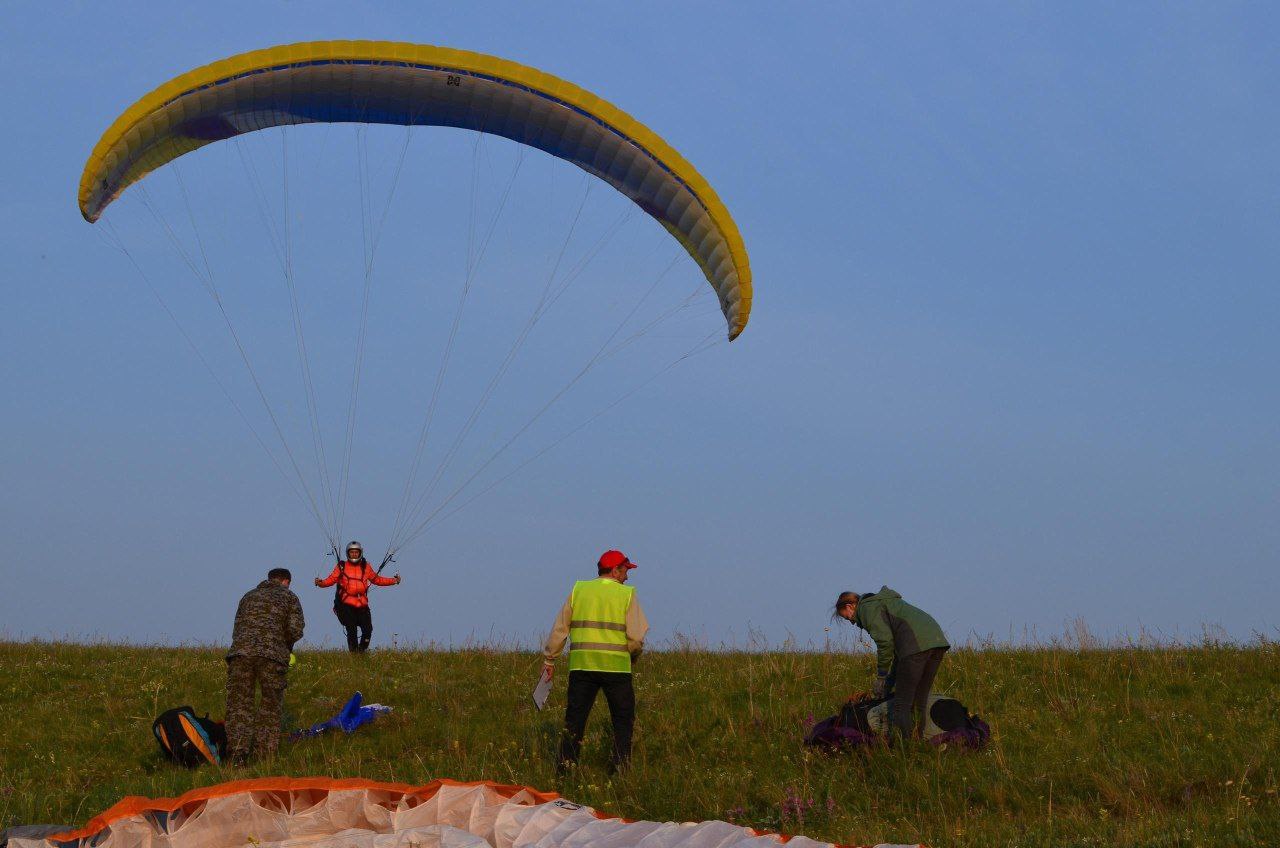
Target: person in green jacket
909 649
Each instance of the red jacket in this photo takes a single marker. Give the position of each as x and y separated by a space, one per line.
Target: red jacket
355 578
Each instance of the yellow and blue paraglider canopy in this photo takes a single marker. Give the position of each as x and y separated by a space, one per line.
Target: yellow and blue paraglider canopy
407 84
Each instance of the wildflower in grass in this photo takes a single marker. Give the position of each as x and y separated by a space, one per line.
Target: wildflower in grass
794 806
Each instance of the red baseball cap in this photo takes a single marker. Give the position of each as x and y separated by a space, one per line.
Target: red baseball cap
613 559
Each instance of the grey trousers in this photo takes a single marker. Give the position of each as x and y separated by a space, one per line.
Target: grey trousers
913 682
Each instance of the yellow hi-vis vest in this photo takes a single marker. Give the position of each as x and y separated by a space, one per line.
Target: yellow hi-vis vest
598 628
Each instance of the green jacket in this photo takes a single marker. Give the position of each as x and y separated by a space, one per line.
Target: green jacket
899 629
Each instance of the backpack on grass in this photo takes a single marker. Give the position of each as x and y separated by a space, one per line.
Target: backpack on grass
189 740
863 719
846 729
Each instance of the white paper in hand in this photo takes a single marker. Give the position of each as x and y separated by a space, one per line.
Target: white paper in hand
543 690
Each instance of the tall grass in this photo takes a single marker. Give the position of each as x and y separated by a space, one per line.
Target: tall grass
1093 745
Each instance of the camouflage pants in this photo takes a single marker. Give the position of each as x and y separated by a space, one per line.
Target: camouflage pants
254 730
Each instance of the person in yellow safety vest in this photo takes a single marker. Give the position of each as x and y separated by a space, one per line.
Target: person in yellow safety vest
605 627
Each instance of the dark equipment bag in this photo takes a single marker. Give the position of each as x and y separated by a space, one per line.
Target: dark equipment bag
846 729
189 740
863 719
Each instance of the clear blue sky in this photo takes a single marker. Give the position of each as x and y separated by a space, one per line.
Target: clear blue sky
1013 351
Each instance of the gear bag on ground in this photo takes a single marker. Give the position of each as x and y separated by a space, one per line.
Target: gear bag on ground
189 740
863 720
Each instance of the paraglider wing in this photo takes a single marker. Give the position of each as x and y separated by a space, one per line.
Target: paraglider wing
358 813
407 84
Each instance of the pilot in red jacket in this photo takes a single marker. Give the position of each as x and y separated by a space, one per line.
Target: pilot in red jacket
353 576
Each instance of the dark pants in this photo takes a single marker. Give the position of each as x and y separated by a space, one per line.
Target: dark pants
621 698
254 728
352 617
913 681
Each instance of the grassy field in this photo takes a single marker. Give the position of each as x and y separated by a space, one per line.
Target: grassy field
1126 746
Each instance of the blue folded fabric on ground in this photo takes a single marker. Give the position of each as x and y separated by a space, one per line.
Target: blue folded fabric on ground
351 716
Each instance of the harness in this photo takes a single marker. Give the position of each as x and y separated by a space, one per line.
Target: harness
340 594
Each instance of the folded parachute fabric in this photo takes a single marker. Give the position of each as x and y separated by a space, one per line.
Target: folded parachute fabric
276 812
351 716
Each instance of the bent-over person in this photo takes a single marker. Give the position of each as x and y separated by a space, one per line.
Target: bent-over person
909 648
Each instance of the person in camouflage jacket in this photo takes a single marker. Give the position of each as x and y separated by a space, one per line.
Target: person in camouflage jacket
909 649
268 623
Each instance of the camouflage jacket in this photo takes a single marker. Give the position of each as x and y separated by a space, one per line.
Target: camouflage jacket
268 622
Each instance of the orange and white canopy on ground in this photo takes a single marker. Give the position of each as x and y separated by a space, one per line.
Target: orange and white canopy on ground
327 813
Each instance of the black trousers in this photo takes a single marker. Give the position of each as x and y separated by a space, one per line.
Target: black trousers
355 617
913 681
621 697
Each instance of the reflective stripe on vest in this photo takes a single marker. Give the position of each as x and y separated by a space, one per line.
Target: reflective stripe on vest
598 629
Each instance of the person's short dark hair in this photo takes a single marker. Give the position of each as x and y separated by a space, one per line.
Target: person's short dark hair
845 598
280 574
